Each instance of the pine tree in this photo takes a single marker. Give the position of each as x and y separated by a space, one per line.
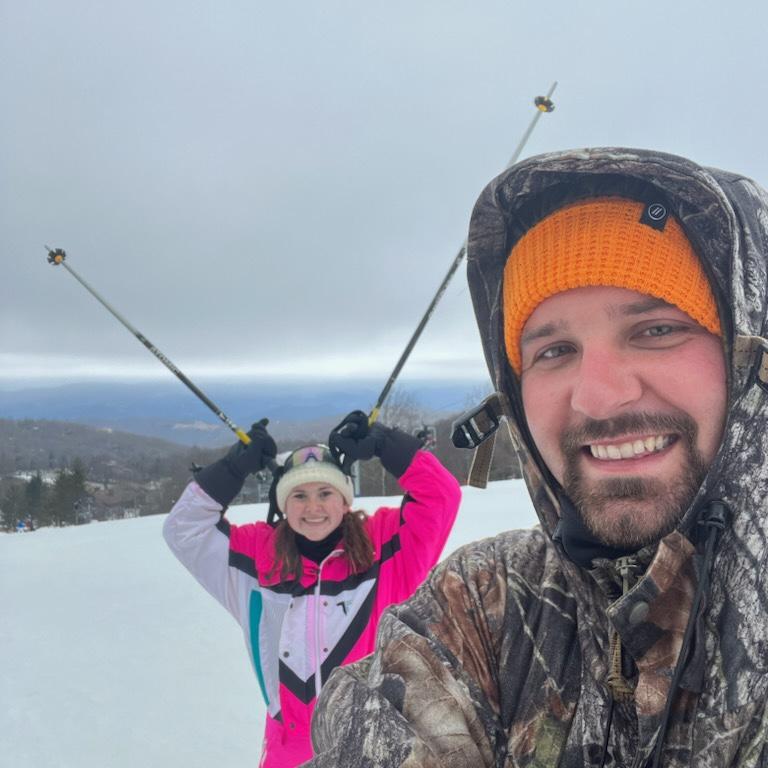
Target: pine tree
11 505
68 493
34 497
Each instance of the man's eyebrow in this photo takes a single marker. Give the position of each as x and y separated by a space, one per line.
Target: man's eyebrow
542 331
640 307
633 308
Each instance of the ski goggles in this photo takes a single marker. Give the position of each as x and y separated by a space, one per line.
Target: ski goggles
308 453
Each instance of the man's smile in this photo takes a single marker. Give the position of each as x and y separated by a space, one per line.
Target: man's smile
631 448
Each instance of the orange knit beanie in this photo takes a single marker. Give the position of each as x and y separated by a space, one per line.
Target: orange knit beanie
602 241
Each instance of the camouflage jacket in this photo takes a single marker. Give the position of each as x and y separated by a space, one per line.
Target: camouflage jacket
504 657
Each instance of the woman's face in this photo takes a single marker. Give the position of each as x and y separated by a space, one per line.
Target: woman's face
315 510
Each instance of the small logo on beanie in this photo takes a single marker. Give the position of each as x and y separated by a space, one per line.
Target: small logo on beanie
655 215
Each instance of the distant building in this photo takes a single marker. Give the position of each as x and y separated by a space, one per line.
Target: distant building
48 476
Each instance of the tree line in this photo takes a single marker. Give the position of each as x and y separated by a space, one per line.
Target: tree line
38 504
128 477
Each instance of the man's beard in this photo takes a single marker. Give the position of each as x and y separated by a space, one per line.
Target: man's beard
632 511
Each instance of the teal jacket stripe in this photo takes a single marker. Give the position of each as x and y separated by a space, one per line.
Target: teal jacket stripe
254 621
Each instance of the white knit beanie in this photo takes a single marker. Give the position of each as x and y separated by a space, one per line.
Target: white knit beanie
314 470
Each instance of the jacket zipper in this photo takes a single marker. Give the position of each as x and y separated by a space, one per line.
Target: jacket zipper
318 662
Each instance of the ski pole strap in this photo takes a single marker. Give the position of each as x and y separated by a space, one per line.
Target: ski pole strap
476 429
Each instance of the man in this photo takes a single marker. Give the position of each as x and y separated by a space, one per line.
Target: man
621 297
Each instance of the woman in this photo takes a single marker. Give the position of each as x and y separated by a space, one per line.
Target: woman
308 588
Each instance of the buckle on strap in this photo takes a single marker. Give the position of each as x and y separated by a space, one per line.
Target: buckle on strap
476 430
476 425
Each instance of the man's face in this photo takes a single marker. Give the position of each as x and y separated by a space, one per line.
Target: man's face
625 397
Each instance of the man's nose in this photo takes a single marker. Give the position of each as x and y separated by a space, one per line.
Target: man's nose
605 384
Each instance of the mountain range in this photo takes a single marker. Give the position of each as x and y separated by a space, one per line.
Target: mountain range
166 409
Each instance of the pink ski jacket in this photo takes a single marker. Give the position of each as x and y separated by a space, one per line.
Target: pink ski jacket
297 633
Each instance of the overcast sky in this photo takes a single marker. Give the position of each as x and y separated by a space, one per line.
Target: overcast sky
280 187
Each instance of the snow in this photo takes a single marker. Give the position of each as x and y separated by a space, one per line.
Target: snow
114 657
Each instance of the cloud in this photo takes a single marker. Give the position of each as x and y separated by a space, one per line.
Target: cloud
266 189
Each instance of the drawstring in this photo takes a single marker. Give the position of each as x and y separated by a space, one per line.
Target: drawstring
621 690
609 722
714 521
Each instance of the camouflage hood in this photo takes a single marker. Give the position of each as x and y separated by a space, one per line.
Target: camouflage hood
725 216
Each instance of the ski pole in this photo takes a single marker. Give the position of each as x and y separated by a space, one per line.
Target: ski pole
543 104
58 258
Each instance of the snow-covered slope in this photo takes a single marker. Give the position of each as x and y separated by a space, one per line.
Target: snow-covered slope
113 656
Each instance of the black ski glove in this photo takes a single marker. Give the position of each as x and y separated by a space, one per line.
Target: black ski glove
224 479
353 440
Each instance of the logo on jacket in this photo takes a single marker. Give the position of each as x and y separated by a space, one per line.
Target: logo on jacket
344 604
